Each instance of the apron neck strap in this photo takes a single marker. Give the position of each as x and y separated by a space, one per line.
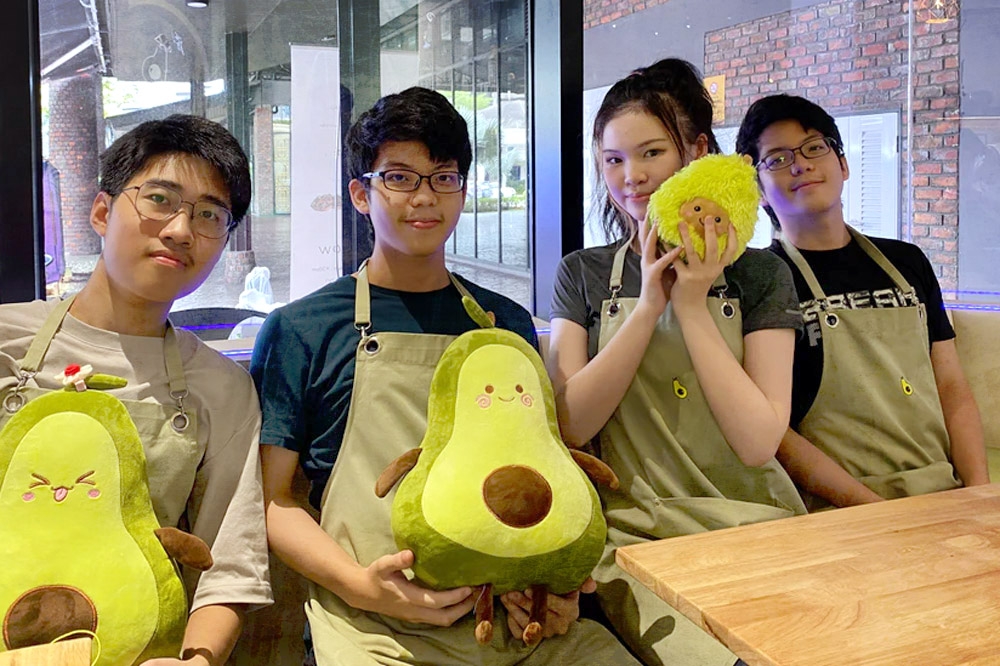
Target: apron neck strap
43 338
363 302
880 259
803 266
866 245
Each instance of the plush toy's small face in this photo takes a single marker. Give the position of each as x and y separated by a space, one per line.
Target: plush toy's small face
700 212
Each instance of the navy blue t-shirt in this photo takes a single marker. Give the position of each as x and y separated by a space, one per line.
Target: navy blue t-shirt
303 359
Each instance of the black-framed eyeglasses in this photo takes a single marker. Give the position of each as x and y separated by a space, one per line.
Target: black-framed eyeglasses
811 149
407 180
159 202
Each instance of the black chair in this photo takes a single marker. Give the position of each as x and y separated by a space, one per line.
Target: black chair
212 323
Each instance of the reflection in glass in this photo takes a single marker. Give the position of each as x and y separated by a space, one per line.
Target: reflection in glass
106 71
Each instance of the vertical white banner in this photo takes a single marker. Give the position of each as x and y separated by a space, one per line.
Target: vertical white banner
317 220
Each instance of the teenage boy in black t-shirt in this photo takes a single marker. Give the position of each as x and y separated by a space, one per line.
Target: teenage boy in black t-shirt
880 405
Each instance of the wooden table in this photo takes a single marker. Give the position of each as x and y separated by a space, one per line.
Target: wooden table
913 581
75 652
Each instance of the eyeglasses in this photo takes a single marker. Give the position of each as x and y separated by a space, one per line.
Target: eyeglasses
811 149
405 180
158 202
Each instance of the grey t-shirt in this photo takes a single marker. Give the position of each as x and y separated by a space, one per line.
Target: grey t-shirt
224 504
763 286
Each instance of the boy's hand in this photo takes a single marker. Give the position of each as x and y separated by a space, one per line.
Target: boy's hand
389 592
561 611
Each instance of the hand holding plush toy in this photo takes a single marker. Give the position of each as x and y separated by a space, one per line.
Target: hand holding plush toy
493 498
715 189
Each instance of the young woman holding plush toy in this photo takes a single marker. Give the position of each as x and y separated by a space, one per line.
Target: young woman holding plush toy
679 360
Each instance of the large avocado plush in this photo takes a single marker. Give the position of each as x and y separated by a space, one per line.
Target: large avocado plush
78 536
720 190
493 497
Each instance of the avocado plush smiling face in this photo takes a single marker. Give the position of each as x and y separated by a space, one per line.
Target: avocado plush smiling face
495 496
76 529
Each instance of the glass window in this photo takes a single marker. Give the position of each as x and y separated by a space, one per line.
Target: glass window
271 72
910 84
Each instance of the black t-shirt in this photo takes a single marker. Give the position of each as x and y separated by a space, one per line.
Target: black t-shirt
852 280
303 359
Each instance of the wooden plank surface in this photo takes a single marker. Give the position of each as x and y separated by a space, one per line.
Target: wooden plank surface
911 581
75 652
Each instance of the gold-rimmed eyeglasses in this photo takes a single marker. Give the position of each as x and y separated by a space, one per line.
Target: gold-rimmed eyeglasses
159 202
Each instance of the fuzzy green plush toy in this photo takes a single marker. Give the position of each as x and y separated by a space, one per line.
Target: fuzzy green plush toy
715 189
493 497
78 536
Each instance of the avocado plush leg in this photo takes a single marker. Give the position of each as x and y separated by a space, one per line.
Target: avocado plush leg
536 621
596 469
484 615
186 548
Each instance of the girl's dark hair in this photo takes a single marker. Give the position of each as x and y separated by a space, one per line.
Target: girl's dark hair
185 134
671 91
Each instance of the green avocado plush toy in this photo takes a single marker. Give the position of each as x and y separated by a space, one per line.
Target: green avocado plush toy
493 497
80 543
714 189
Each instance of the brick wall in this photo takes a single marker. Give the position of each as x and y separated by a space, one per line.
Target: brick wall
596 12
263 161
852 57
75 141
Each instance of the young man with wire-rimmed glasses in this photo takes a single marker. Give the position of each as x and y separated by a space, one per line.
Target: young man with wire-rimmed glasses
170 192
880 405
344 378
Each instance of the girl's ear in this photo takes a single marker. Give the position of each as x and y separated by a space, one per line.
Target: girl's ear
359 196
699 148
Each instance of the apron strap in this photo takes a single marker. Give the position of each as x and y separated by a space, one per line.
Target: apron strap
32 360
363 302
866 245
618 267
803 266
880 259
40 344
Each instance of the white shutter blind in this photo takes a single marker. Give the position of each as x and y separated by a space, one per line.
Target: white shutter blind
871 194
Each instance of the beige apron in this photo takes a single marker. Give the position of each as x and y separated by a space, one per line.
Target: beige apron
877 413
387 417
169 434
678 475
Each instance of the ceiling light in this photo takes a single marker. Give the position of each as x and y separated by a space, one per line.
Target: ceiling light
197 3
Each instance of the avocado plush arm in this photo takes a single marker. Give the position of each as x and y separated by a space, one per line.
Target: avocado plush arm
595 468
186 548
395 471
